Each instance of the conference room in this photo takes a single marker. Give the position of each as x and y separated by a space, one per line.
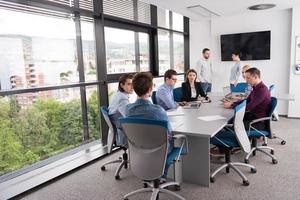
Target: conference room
85 89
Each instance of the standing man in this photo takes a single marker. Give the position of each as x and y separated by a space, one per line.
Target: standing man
236 70
204 69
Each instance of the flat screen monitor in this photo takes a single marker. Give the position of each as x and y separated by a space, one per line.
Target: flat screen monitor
252 46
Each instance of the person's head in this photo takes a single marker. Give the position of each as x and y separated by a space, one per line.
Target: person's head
253 76
235 55
191 76
143 84
244 69
125 83
170 77
206 53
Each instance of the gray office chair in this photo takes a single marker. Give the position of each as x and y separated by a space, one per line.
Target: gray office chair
111 143
228 139
147 140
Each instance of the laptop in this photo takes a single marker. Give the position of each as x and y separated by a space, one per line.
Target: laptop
227 92
192 105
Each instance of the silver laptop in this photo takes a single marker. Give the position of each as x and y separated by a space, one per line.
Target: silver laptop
227 92
192 105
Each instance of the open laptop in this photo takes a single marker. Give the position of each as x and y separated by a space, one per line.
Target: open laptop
227 92
192 105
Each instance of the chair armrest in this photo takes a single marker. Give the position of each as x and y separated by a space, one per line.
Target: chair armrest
260 120
183 143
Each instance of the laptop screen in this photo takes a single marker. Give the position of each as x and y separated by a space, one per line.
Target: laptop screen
226 91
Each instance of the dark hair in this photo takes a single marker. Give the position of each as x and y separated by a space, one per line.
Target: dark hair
187 73
236 53
205 50
253 71
169 73
122 81
142 82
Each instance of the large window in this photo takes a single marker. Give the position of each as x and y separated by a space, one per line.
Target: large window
164 51
178 52
122 56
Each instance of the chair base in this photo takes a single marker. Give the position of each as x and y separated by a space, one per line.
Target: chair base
282 141
262 149
155 189
123 163
233 165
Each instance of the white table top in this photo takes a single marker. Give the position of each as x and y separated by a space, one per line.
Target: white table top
189 124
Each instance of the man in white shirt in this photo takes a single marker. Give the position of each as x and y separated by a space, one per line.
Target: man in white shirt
236 70
204 71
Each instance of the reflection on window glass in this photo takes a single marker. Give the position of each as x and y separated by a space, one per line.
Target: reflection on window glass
36 50
163 51
35 126
93 112
120 50
163 18
177 22
144 52
89 50
178 52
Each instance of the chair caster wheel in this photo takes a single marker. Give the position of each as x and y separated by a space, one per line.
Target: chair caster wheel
246 161
274 161
103 168
177 188
264 144
253 170
272 152
246 183
126 199
117 177
283 142
212 179
145 185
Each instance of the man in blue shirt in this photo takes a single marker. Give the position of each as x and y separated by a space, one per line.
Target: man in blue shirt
143 108
164 94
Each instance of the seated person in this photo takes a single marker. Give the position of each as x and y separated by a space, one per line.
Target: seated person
192 90
164 94
143 107
249 88
258 102
118 104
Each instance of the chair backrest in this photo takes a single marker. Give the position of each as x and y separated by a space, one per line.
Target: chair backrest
272 106
177 92
111 133
271 88
147 140
239 127
153 97
240 87
271 110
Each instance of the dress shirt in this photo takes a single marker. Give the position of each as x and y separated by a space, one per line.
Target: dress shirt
165 97
118 103
204 70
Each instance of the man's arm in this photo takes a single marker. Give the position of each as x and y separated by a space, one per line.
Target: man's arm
165 100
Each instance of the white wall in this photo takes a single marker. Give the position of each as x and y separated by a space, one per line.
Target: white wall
199 39
294 106
274 71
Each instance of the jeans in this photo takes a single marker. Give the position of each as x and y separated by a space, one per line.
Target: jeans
206 87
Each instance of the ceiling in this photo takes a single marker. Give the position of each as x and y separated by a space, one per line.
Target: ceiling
220 7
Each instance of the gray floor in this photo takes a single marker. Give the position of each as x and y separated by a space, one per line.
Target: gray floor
281 181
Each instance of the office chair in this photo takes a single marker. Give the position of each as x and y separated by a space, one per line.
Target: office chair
227 139
254 134
153 97
240 87
148 151
275 117
177 92
111 143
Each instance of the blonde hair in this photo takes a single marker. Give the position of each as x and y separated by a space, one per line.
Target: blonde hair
246 67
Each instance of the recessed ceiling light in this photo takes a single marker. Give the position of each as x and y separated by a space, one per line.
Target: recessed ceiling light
262 6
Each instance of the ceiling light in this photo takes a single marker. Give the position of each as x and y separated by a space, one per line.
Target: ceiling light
200 10
261 7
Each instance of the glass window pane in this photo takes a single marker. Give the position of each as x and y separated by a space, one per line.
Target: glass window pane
36 50
35 126
144 52
120 50
89 51
94 116
178 52
163 51
177 22
163 18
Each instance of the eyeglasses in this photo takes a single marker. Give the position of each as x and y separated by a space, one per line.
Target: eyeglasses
174 79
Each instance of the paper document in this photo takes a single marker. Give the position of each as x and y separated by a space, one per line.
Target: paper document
175 112
211 118
175 125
